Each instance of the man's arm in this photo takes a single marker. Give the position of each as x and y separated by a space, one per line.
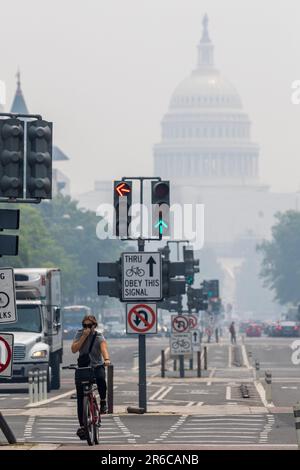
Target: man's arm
104 351
77 344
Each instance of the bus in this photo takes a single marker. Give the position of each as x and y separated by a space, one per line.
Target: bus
72 316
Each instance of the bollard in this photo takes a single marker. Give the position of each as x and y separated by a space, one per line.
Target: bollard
191 363
257 367
163 363
40 384
30 386
35 386
205 357
110 389
296 409
198 363
44 384
135 360
174 365
268 380
181 366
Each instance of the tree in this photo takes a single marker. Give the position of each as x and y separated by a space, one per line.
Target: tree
280 267
38 249
74 229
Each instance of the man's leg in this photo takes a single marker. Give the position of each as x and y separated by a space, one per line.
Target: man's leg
79 392
102 388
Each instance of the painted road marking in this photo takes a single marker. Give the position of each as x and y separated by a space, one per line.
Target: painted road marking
50 400
161 397
211 376
156 394
228 392
245 357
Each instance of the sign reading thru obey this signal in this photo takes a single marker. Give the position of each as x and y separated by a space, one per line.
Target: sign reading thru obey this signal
6 354
8 311
141 276
141 318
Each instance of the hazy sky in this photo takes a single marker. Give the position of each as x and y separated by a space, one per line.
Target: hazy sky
104 72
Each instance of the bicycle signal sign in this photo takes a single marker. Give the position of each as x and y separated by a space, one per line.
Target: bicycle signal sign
141 318
180 344
141 276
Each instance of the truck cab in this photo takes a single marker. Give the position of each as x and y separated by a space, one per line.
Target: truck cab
37 331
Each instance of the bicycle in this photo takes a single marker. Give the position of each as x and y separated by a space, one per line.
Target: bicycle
182 343
135 271
91 410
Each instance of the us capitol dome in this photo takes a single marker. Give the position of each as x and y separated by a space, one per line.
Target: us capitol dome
206 133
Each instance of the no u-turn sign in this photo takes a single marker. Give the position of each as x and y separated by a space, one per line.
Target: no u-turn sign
141 318
6 354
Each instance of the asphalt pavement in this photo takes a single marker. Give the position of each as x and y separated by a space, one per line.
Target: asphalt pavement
212 411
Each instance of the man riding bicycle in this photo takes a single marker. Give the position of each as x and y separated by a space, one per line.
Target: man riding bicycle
90 342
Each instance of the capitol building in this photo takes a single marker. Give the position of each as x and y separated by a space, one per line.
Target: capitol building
207 153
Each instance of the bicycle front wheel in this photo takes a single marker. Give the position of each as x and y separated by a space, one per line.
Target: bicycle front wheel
88 421
97 422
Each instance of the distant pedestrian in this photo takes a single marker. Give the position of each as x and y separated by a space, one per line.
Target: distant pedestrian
232 333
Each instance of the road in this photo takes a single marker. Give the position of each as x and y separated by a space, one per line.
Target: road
190 412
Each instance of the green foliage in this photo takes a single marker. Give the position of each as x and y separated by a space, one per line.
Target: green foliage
281 258
58 233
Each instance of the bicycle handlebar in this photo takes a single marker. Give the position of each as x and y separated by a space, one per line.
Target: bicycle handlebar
75 366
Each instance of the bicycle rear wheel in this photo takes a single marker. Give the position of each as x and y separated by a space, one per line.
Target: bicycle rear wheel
97 422
88 421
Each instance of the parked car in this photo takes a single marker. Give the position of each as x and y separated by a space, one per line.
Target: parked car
243 326
285 328
253 330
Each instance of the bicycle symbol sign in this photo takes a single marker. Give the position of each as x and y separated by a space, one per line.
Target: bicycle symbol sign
141 318
6 348
141 276
180 323
180 344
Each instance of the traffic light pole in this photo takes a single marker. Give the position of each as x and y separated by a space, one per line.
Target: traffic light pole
142 338
181 357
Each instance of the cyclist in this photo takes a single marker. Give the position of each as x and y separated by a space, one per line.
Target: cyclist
99 358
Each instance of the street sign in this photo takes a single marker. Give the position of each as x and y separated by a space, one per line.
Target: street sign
6 354
180 324
141 276
196 340
8 311
180 344
193 322
141 318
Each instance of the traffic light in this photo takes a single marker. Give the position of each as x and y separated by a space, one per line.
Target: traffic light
11 158
191 265
196 299
212 288
9 219
171 287
122 205
111 284
39 159
160 198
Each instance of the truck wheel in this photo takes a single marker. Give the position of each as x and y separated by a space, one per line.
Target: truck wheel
55 372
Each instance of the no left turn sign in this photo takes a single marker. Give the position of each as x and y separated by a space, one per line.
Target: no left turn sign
6 354
141 318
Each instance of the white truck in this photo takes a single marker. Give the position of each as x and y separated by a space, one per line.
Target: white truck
37 333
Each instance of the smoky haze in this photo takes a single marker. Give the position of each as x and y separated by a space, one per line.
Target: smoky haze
104 73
